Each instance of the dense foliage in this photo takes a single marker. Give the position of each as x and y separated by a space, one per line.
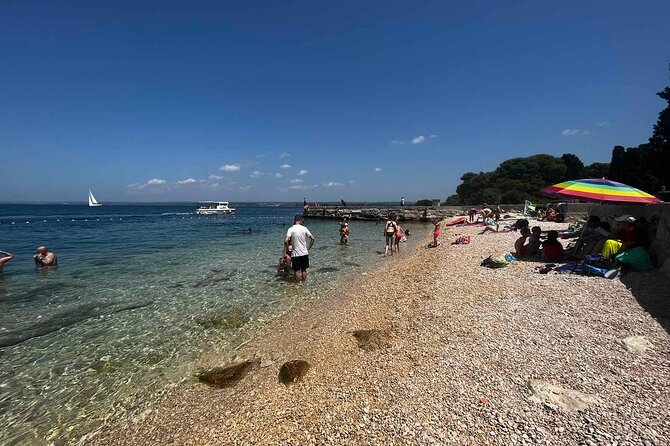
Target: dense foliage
646 166
520 179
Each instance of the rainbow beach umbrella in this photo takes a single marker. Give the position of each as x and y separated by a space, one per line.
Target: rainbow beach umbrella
600 191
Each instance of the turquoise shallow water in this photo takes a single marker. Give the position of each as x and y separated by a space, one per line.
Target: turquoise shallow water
141 294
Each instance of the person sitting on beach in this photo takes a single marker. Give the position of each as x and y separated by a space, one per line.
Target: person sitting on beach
520 244
7 256
44 257
399 234
534 242
389 233
552 250
436 231
344 233
628 237
519 224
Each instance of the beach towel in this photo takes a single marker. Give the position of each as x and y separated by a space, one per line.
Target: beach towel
581 269
455 221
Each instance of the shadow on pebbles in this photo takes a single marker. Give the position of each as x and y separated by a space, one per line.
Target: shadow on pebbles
293 371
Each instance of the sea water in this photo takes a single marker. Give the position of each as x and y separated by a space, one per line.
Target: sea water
140 295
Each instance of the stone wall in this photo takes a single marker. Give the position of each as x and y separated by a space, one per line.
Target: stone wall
406 213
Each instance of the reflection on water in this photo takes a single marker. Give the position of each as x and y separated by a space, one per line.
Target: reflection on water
141 292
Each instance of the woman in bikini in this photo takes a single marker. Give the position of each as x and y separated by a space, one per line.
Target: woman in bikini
389 234
437 231
399 234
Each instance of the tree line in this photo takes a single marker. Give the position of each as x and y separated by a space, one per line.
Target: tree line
646 167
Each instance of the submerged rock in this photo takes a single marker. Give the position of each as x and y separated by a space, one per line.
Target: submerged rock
293 371
225 319
227 376
216 277
558 398
327 269
370 340
66 318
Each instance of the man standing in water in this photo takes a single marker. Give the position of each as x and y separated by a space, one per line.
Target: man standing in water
297 237
44 257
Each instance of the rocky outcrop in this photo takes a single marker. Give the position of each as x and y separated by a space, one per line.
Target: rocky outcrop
636 344
406 213
293 371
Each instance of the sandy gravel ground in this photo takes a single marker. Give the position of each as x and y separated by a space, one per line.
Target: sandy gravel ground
464 343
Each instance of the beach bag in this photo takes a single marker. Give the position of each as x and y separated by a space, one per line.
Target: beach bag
495 261
637 258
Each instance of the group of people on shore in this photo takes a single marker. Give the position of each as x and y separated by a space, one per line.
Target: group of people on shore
394 234
44 257
530 244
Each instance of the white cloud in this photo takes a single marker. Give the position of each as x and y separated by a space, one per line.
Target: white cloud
296 181
256 174
277 175
378 169
332 184
284 155
418 140
156 182
604 123
245 188
187 181
285 166
351 182
302 172
215 177
433 135
302 186
575 132
230 168
397 142
214 185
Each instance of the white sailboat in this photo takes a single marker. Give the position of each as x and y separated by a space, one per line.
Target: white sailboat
91 200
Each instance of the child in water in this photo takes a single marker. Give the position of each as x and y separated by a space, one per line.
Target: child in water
285 262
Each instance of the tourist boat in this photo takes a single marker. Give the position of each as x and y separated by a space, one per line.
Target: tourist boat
92 201
213 208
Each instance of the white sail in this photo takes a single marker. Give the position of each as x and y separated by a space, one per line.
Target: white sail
91 199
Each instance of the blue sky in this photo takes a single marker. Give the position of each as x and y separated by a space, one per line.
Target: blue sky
157 101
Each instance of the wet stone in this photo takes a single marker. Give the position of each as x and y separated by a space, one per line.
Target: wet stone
227 376
370 340
293 371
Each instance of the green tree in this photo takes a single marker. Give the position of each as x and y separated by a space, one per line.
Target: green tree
573 165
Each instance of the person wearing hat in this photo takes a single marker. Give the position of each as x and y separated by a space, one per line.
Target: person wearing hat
344 233
629 238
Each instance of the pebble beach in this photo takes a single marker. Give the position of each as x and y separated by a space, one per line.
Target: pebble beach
432 348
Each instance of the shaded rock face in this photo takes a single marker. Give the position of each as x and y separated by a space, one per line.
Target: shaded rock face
558 398
293 371
370 340
227 376
224 319
636 344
